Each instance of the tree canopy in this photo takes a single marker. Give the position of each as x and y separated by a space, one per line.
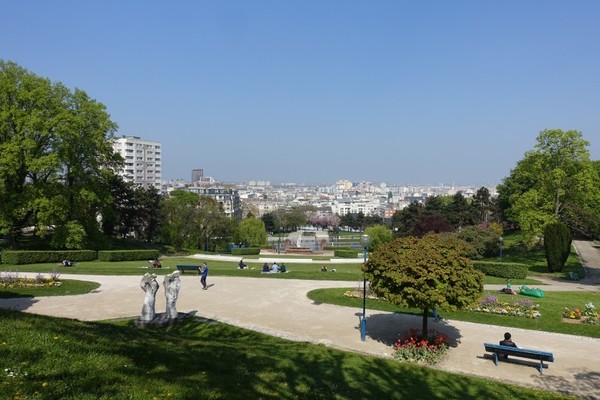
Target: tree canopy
251 231
56 158
426 273
554 182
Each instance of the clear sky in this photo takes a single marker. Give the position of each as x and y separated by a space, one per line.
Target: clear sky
312 91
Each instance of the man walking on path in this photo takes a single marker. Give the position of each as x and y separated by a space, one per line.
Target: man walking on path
204 272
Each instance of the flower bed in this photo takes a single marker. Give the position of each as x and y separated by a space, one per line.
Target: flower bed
520 308
10 280
412 347
588 316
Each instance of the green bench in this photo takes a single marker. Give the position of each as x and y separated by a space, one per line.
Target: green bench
498 350
188 267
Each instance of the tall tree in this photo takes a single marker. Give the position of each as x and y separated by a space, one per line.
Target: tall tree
483 205
251 231
557 175
379 234
55 158
181 223
425 273
404 220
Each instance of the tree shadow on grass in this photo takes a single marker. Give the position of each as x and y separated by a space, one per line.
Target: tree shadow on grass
586 385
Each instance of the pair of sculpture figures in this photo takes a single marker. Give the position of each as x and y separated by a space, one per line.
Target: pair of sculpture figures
171 283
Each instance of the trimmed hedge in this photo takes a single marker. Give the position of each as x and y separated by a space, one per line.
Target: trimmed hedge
127 255
345 253
50 256
502 270
246 251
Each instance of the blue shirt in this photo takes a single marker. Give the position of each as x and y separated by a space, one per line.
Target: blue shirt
204 271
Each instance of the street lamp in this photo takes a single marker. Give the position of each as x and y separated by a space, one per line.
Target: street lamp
501 242
364 240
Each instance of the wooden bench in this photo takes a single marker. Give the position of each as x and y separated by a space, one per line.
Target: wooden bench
190 267
498 349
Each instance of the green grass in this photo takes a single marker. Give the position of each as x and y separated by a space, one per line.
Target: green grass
536 259
348 272
68 287
550 307
66 359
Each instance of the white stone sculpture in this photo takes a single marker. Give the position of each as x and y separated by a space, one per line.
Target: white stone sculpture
172 283
150 286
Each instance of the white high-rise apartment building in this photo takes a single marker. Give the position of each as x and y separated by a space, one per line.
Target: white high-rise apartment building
142 161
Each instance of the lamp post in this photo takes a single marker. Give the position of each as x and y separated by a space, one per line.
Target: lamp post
501 242
364 240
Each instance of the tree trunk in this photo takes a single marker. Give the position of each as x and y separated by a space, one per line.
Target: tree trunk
425 329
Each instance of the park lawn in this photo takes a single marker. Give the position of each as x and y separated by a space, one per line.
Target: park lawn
68 287
344 272
53 358
311 271
551 308
536 259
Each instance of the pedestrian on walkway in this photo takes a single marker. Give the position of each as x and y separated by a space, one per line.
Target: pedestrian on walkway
204 273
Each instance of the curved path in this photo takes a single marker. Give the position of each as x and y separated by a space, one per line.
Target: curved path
280 307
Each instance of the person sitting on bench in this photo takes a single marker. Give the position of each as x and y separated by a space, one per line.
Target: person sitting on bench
507 342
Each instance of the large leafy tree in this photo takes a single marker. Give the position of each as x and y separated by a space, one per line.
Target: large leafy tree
56 158
483 206
251 231
378 234
404 220
181 220
553 180
425 273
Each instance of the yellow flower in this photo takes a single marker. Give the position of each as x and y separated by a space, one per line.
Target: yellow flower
44 384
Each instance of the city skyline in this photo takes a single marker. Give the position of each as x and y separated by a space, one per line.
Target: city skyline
394 91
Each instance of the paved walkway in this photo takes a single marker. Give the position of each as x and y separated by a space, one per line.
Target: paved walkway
280 307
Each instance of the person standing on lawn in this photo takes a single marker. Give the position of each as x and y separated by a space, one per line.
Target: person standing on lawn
204 274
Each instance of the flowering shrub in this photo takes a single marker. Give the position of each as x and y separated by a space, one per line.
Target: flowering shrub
412 347
520 307
587 316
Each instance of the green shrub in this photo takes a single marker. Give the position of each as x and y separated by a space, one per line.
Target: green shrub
557 246
127 255
345 253
485 242
502 270
36 257
246 251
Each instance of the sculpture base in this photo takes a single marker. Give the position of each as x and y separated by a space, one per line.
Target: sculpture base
160 321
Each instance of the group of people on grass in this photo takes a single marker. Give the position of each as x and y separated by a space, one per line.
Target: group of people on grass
274 268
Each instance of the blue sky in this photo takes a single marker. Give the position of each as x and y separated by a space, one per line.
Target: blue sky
403 92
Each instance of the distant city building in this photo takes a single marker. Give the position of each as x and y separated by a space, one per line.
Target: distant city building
197 175
142 161
228 198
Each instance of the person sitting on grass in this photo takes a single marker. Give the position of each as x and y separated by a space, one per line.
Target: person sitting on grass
323 269
283 268
156 264
242 264
67 263
266 268
275 268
